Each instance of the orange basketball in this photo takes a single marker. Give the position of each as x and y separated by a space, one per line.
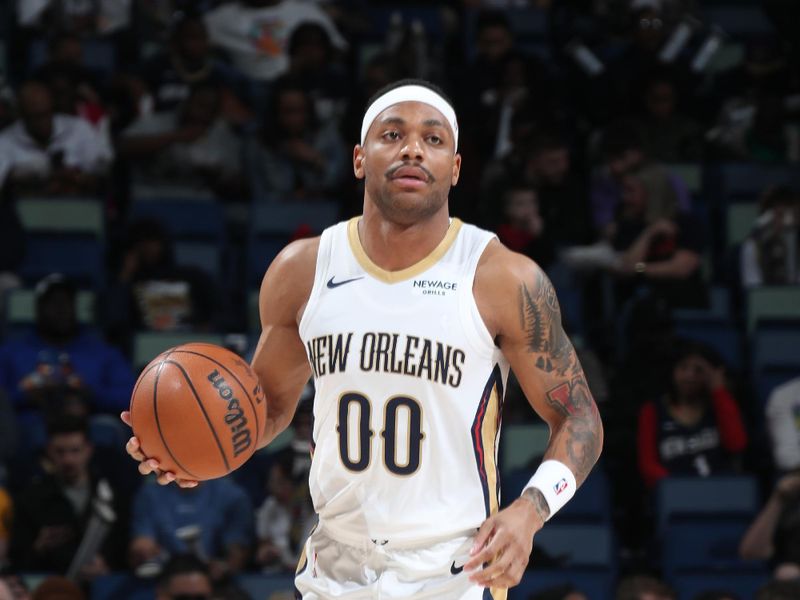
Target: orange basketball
198 409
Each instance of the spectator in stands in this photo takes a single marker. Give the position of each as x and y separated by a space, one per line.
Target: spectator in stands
294 155
51 514
187 62
255 33
184 576
523 229
770 254
774 534
657 247
667 134
73 86
6 516
783 427
193 146
285 519
153 293
104 16
58 588
779 590
60 355
45 153
695 427
642 587
312 65
543 160
17 586
213 521
623 153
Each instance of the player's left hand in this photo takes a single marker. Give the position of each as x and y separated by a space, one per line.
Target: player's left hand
503 546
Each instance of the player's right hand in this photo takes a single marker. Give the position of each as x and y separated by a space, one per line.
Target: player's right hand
150 465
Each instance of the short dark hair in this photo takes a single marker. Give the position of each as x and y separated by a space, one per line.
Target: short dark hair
620 137
491 18
181 564
631 588
409 81
779 590
66 424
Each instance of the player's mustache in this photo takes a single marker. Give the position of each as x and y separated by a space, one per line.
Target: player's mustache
392 170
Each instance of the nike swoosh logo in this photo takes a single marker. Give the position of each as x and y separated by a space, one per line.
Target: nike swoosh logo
456 570
334 284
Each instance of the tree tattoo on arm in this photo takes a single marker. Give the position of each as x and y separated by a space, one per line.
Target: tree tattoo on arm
554 355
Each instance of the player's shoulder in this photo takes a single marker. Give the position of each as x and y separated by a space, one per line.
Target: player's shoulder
297 261
500 268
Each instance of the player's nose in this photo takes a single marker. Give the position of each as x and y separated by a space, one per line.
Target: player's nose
412 149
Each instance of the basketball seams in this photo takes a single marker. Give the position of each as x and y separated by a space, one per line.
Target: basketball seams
158 422
233 375
142 375
205 414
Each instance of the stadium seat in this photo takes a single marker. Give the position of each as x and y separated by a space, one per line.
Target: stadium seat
744 182
772 303
776 347
149 344
740 21
690 173
744 583
705 544
197 229
63 235
719 308
264 586
591 503
740 219
679 497
116 586
272 226
582 546
597 584
722 336
20 310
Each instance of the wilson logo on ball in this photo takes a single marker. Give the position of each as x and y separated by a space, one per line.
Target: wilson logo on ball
234 418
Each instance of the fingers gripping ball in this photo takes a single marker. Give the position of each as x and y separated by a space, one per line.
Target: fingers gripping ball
199 410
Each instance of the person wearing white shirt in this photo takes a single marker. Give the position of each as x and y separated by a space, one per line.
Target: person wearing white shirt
43 152
255 33
783 424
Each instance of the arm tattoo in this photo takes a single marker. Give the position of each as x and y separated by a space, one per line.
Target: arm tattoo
554 355
541 322
536 498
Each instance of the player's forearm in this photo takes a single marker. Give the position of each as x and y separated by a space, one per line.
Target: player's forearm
277 421
576 439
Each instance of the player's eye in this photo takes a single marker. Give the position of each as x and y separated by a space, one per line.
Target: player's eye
391 135
435 140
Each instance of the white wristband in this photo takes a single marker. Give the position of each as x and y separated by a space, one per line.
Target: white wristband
556 482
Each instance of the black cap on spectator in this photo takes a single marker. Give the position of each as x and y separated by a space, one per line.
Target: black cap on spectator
51 283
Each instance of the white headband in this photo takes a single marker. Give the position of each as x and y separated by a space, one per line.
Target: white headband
410 93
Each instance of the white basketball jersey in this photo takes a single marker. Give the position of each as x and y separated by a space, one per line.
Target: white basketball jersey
409 390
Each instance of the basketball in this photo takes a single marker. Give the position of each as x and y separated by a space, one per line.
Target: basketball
198 409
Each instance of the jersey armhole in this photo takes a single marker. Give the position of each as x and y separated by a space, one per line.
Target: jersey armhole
475 327
320 272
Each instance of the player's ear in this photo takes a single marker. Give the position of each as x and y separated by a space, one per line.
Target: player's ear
358 161
456 169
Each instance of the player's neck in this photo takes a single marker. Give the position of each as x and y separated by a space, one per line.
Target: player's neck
395 247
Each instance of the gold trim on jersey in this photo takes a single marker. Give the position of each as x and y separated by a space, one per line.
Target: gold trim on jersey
403 274
498 593
489 439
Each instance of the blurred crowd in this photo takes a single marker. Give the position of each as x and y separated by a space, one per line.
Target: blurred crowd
599 137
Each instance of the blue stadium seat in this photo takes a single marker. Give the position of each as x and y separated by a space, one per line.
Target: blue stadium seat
740 21
705 544
678 497
744 182
591 503
776 346
264 586
722 336
597 584
584 546
197 228
744 583
122 585
273 225
98 55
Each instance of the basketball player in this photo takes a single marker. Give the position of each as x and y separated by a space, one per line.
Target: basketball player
409 320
